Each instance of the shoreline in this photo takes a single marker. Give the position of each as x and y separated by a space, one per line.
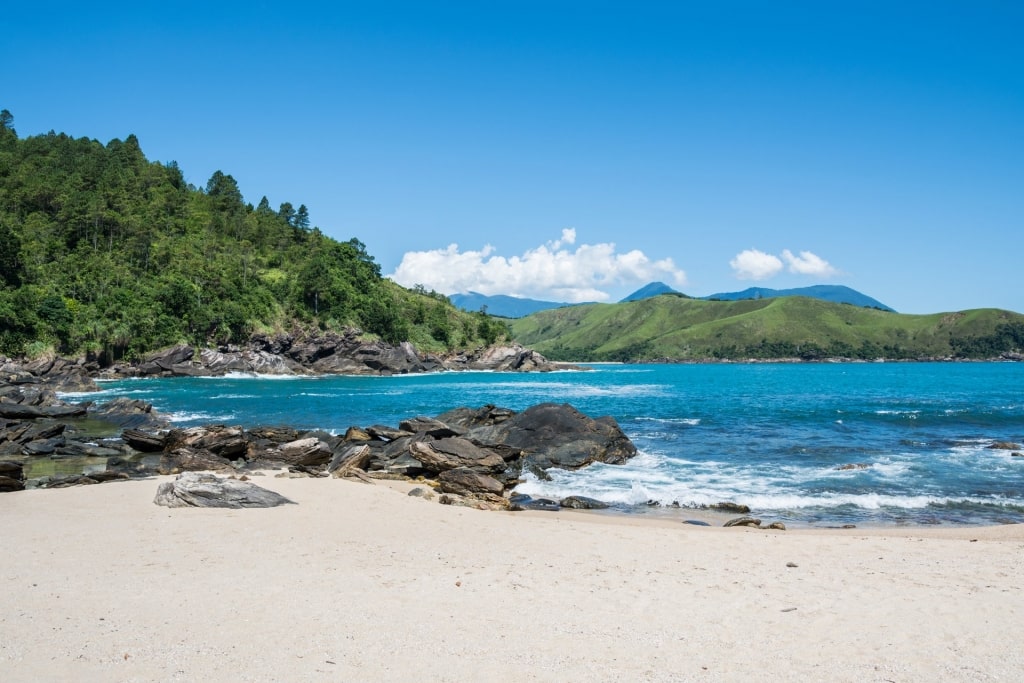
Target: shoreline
360 582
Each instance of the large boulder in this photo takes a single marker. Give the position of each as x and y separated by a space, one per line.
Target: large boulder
557 435
197 489
129 414
452 453
464 481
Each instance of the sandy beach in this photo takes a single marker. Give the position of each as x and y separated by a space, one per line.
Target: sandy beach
364 583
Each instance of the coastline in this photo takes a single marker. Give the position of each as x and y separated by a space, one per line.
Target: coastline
361 582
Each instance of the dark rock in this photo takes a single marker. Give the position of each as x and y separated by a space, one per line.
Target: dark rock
730 507
19 411
43 446
385 433
452 453
776 525
229 442
468 418
464 481
1006 446
553 435
194 489
144 442
1017 455
429 426
582 503
521 501
12 476
80 448
853 466
41 430
165 359
129 414
191 460
744 521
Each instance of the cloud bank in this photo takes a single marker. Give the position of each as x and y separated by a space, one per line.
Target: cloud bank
550 271
753 264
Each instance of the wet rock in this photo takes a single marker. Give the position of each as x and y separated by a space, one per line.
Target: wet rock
521 501
1006 446
744 521
195 489
730 507
144 442
557 435
582 503
12 476
853 466
776 525
129 414
43 446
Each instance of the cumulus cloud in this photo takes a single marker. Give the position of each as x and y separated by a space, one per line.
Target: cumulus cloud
550 271
808 264
754 264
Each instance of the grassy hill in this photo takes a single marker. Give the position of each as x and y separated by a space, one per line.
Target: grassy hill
679 328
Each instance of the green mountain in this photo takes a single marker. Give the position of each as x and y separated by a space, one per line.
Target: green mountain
106 253
678 328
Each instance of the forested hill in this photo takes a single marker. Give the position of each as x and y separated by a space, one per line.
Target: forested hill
103 251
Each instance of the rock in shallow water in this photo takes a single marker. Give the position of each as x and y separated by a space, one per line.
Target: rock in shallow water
198 489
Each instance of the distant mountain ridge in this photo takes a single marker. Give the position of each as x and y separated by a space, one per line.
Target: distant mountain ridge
837 294
515 307
502 305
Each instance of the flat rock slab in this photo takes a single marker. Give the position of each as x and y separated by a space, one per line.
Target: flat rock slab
199 489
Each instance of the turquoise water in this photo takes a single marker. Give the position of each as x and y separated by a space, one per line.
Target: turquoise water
768 435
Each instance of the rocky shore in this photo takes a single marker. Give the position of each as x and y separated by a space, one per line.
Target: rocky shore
468 456
330 353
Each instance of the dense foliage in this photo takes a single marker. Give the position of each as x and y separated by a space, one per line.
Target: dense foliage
102 251
675 328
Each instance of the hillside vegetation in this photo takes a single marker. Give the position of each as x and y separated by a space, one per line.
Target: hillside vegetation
680 328
107 253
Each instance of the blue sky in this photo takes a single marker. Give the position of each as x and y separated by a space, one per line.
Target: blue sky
577 150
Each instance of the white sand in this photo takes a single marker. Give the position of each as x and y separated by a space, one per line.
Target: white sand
363 583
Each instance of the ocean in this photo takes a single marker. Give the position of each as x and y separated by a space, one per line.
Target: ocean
807 444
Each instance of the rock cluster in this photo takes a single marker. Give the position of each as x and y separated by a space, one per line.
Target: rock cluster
472 456
330 353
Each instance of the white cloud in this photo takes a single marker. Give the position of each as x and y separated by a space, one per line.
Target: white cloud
753 264
808 263
549 271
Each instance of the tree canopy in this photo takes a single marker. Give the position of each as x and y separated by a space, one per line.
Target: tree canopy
105 252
